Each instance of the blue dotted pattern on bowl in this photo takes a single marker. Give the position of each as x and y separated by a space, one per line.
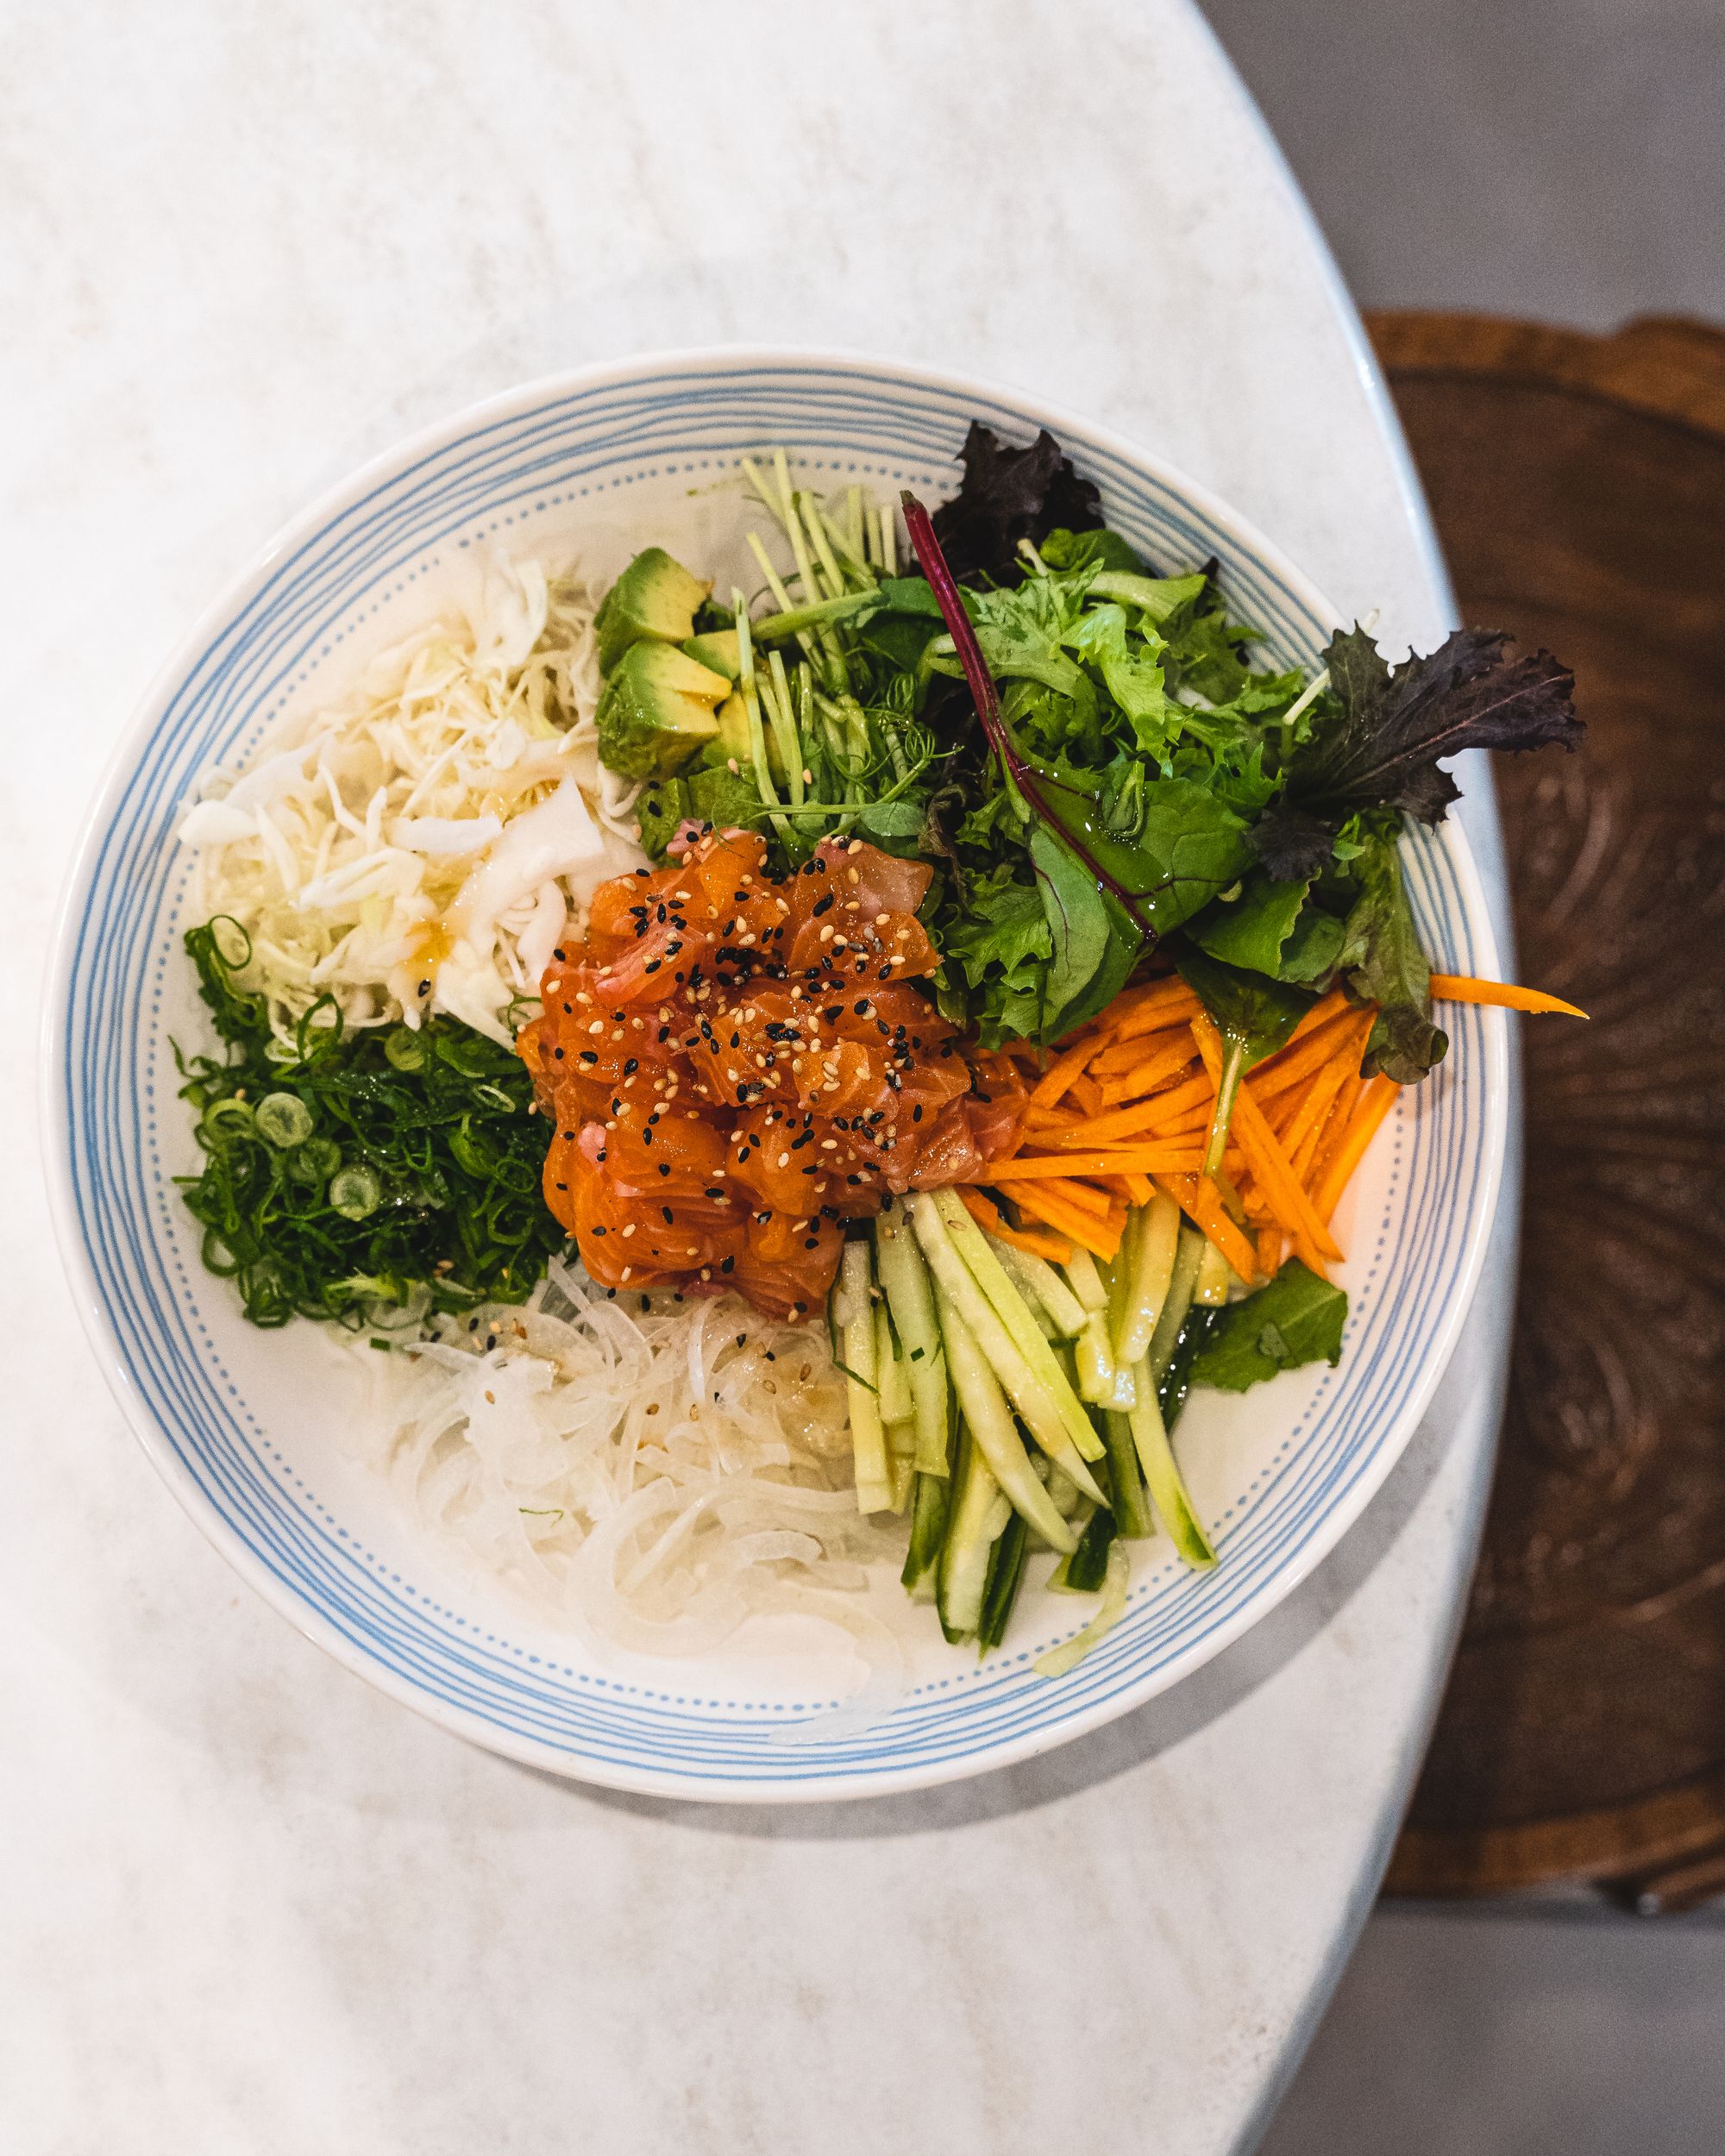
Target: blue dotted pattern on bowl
525 464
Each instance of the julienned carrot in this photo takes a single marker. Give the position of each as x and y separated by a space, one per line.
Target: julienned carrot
986 1215
1067 1190
1128 1160
1292 1064
1375 1103
1099 1236
1086 1094
1050 1119
1274 1177
1151 1076
1126 1127
1199 1200
1178 1100
1335 1130
1270 1252
1459 988
1124 1054
1327 1006
1155 1004
1299 1140
1140 1188
1051 1086
1036 1241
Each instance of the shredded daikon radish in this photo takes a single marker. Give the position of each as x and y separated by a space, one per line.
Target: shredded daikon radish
421 846
652 1475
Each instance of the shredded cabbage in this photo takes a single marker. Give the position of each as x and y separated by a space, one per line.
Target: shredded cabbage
420 846
653 1475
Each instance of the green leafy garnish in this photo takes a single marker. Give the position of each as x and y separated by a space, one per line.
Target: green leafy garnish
372 1178
1296 1318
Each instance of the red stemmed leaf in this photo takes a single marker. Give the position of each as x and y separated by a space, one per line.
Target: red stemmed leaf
1034 786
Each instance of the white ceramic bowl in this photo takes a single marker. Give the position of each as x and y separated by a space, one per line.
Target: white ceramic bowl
250 1429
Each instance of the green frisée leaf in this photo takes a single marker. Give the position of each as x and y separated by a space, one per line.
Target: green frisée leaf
1099 549
1133 679
1297 1318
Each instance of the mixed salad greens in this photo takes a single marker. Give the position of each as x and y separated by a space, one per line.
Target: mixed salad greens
1145 786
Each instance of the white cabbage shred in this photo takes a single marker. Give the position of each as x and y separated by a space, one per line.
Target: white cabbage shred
421 846
653 1477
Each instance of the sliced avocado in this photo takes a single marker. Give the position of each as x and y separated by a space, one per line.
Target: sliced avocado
653 600
733 729
656 712
733 739
717 649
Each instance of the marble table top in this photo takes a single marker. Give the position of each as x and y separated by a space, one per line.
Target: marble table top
250 1905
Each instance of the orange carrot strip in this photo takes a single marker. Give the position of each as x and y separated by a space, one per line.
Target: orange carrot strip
1069 1191
1341 1114
1055 1119
1197 1093
1127 1053
1196 1119
1140 1188
1087 1094
1270 1252
1050 1089
986 1215
1170 1159
1150 1014
1375 1103
1326 1008
984 1211
1276 1178
1300 1139
1035 1241
1082 1228
1125 1125
1198 1198
1151 1075
1292 1064
1458 987
1270 1170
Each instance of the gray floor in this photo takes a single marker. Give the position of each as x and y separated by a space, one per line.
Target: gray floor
1522 2031
1564 159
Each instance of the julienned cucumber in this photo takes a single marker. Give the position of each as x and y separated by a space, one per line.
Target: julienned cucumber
854 1321
997 1351
1162 1474
985 1269
979 1511
1146 1264
930 1505
904 1277
1130 1506
1035 1276
1000 1588
983 1406
1189 1256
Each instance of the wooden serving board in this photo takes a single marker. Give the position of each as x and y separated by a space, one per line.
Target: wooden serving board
1578 485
